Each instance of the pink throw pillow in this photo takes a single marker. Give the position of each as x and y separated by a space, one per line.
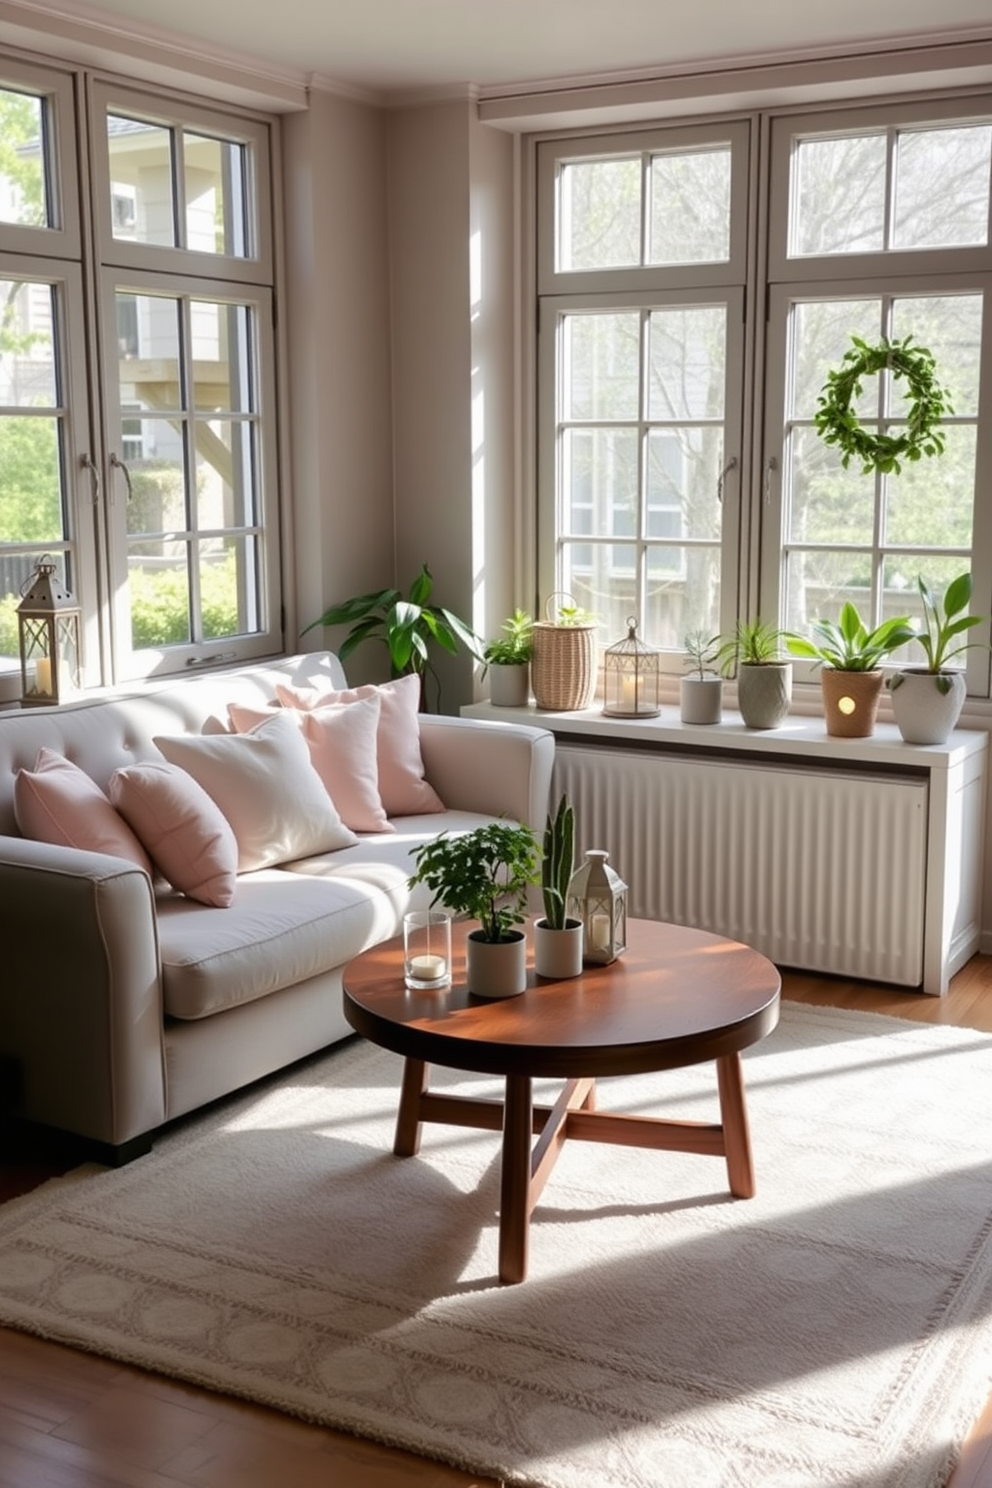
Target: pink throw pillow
57 802
402 786
342 745
186 835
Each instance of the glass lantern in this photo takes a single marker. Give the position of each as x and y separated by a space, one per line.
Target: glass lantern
598 897
48 631
632 675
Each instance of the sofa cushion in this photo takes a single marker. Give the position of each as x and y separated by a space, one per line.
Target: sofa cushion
402 786
183 830
342 745
57 802
267 788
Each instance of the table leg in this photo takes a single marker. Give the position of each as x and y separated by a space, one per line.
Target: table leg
736 1135
415 1078
514 1211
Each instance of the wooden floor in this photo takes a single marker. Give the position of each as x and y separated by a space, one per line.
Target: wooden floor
71 1420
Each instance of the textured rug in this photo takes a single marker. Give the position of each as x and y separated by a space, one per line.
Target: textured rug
835 1330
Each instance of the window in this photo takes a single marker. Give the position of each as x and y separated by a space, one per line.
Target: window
680 475
153 487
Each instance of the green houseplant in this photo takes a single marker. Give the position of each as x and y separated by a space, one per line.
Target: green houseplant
507 659
406 627
850 656
927 700
764 674
485 874
557 937
701 689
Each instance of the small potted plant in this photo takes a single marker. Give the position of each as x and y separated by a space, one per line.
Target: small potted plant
507 661
563 664
558 938
764 674
927 700
701 689
485 874
850 656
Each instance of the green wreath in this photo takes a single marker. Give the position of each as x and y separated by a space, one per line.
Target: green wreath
838 424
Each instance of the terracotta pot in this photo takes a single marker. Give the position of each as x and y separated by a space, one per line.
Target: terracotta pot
558 953
925 712
496 968
850 701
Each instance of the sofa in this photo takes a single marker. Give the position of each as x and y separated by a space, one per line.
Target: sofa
125 1003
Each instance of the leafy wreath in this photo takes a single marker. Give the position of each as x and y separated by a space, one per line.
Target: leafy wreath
838 424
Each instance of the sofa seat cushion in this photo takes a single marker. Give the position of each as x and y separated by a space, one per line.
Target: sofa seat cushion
290 923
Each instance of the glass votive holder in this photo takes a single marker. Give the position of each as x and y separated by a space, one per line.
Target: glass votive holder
427 949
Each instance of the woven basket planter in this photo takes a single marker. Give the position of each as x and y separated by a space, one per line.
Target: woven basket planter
563 666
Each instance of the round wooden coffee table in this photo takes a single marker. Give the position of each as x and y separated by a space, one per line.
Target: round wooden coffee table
675 997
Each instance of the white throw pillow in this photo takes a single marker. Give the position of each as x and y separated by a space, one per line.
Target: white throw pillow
267 788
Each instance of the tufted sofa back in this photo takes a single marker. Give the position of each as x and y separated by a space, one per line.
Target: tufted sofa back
102 732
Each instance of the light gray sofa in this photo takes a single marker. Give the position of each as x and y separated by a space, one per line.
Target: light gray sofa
93 960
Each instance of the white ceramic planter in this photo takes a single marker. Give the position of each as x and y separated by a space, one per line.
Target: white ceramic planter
923 712
496 968
509 686
701 699
558 953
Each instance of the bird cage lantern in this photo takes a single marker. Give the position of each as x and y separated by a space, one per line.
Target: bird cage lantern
48 631
633 675
598 897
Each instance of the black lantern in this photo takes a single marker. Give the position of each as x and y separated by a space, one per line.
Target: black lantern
632 677
48 630
598 897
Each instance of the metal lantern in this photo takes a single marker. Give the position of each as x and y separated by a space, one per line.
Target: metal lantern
632 677
598 897
48 630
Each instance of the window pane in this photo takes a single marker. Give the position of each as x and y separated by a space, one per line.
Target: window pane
225 474
215 195
23 186
30 480
682 597
159 590
821 334
838 195
602 578
690 207
142 181
942 187
931 503
950 326
818 584
149 366
222 360
827 504
27 347
601 371
687 363
155 464
599 214
599 478
682 481
229 587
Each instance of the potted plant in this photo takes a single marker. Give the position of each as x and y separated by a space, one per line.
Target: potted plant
701 689
485 874
557 937
927 700
850 655
507 661
563 663
406 627
764 675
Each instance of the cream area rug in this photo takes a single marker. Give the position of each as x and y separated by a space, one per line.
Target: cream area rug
834 1330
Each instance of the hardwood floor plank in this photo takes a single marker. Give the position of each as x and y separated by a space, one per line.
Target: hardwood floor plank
72 1420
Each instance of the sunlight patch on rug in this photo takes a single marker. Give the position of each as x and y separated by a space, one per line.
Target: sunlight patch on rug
836 1329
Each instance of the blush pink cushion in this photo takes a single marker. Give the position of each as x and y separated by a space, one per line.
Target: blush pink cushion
342 745
57 802
402 786
184 832
267 788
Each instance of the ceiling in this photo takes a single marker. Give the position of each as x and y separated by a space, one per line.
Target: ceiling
388 47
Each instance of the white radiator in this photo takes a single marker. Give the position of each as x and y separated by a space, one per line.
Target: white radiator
818 870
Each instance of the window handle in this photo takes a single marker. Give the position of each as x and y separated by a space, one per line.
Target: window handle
118 464
771 465
721 478
89 464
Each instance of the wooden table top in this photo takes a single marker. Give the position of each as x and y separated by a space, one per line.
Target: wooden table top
675 997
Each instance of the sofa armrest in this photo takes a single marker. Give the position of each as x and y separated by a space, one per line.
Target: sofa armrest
81 1021
499 769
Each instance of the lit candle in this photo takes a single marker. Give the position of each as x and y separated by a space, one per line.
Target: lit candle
628 693
43 675
600 931
427 968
